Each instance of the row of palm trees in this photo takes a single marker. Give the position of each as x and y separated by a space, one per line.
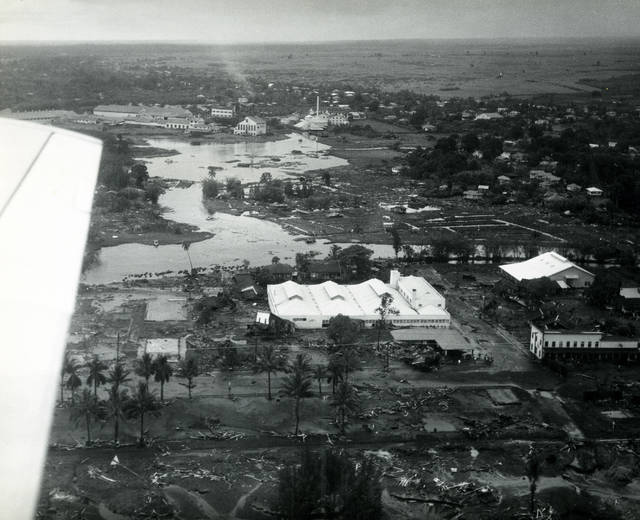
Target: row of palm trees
298 382
119 405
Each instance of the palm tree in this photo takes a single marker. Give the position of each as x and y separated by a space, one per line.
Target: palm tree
186 245
269 361
350 361
301 362
118 376
346 403
189 369
96 374
297 385
335 371
73 381
69 366
144 367
85 408
319 373
163 372
142 401
384 311
115 404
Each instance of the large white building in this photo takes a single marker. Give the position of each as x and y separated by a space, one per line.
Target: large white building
312 306
558 342
251 125
223 112
553 266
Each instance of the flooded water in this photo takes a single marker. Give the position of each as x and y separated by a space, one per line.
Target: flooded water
276 157
236 238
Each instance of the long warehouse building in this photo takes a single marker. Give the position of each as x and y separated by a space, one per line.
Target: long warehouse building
312 306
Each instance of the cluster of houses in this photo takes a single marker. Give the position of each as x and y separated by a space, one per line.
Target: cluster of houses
556 340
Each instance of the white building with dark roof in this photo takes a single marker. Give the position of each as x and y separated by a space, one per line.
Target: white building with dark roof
553 266
312 306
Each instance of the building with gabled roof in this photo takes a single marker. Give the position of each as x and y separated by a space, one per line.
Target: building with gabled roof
312 306
553 266
251 125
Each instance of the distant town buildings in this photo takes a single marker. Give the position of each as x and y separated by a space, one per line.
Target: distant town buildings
312 306
169 116
251 125
552 266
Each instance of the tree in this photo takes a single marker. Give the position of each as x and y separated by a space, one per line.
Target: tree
210 188
152 192
532 466
356 260
265 178
69 366
269 361
384 311
275 260
297 384
604 290
115 404
397 241
162 373
329 484
85 408
342 330
144 367
118 376
186 245
326 177
469 142
142 402
140 174
408 252
96 374
320 373
73 383
234 188
211 171
334 252
346 403
189 369
300 363
335 371
350 361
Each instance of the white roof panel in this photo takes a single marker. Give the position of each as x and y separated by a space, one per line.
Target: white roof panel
544 265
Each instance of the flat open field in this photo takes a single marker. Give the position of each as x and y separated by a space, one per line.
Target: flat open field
445 68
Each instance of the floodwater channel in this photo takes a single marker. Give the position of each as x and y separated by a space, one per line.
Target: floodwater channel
236 238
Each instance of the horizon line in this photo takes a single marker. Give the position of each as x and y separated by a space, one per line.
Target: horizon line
312 42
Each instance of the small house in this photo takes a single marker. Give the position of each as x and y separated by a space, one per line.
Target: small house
322 270
594 192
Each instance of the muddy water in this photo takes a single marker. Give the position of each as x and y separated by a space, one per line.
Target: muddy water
236 238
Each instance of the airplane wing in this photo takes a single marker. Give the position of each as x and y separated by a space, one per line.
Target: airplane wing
47 178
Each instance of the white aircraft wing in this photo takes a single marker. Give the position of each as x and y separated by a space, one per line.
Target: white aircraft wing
47 178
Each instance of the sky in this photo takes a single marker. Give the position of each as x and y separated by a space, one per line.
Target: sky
232 21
